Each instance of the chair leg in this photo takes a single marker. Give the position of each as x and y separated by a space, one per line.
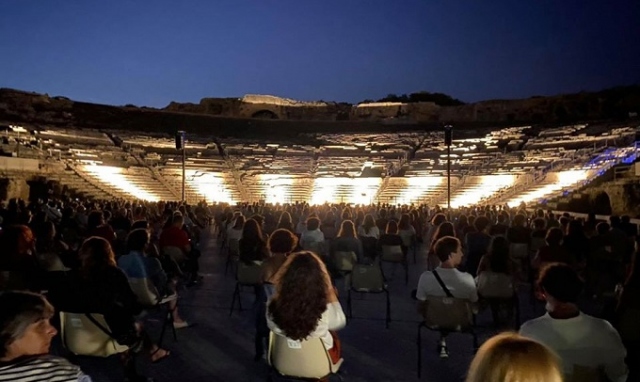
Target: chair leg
239 297
349 309
406 272
388 319
475 341
164 328
226 266
419 343
236 294
173 328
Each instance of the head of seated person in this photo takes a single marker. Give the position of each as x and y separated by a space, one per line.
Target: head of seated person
313 223
509 357
282 241
138 240
25 329
392 228
301 295
561 287
449 252
347 229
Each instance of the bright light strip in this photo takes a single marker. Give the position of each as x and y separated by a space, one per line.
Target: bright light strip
114 176
211 186
277 188
416 188
564 179
488 185
347 190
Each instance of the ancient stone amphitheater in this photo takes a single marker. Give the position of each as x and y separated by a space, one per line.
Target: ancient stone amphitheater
82 149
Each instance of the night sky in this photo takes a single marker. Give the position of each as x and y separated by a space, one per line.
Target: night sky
152 52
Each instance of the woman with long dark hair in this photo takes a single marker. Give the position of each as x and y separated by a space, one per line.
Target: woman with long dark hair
285 221
305 303
369 228
347 240
253 246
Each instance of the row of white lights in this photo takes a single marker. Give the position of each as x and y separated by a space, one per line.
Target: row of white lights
214 187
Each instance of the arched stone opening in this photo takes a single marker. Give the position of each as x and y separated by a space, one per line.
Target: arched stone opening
264 114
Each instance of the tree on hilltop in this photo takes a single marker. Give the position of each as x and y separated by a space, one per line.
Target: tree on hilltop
439 99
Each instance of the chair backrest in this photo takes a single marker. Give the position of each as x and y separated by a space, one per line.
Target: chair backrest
317 247
145 291
51 262
407 238
367 278
343 260
536 244
299 359
82 337
447 313
585 374
234 247
369 246
249 274
628 324
13 280
519 250
392 253
495 285
175 253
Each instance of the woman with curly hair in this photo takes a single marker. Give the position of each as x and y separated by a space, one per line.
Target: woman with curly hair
305 303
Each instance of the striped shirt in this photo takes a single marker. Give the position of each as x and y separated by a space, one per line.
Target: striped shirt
40 369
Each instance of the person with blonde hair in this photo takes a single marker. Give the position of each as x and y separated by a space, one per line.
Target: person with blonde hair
509 357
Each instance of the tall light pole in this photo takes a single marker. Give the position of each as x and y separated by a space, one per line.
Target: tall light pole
448 138
180 145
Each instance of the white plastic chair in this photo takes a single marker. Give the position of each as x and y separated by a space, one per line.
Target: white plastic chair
300 359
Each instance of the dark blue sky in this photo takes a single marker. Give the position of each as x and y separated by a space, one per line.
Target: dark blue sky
152 52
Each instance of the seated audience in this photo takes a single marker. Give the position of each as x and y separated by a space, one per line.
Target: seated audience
18 258
25 337
578 339
253 247
496 271
312 235
477 244
235 231
137 264
305 304
509 357
99 286
176 236
552 252
281 243
461 285
347 240
369 228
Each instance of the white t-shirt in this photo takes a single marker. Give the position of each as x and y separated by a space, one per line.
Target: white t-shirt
234 234
308 237
583 340
373 232
460 284
333 318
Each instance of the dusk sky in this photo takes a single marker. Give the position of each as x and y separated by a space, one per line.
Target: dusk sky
152 52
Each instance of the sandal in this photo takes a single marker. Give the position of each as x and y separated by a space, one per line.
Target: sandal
166 354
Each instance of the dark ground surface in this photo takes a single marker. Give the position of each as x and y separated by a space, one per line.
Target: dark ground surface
221 348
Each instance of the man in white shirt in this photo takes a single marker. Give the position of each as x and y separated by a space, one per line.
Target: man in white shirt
578 339
460 284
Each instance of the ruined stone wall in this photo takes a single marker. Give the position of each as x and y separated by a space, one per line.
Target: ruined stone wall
624 196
